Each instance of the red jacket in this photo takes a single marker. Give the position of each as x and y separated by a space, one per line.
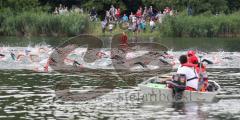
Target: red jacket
193 59
118 13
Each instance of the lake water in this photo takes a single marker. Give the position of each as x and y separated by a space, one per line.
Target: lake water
25 94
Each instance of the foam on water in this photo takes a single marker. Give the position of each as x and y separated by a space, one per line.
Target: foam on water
35 58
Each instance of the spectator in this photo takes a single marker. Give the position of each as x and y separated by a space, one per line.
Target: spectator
152 25
134 19
138 24
167 10
189 10
159 17
125 18
110 27
145 11
143 25
113 12
93 14
56 11
131 16
104 25
134 26
139 13
60 9
108 16
118 13
65 10
171 12
150 12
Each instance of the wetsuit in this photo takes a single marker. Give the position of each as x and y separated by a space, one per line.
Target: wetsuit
2 55
13 56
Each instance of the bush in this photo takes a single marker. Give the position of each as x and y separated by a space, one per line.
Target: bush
201 26
44 23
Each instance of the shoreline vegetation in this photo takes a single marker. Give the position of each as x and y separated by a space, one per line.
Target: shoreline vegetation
201 26
43 24
72 24
214 18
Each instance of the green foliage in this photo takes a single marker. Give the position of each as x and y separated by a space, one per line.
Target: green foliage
17 6
29 23
201 26
198 6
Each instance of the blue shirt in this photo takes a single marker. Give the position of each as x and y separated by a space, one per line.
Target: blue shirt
125 18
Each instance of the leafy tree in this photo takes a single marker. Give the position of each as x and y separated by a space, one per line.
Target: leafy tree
17 6
233 5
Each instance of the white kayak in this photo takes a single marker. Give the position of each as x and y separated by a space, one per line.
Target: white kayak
154 91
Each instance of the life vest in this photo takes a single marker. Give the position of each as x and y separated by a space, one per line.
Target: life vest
190 65
203 68
203 79
194 77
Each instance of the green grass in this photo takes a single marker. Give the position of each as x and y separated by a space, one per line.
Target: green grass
29 23
72 24
96 29
201 26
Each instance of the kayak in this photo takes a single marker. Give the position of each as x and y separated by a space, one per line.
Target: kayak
154 91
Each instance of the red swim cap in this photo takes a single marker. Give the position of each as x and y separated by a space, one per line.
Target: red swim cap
191 52
193 59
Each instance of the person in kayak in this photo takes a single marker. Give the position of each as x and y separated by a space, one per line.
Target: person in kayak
189 71
186 78
192 58
200 69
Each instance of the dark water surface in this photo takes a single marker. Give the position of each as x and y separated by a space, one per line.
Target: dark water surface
32 95
204 44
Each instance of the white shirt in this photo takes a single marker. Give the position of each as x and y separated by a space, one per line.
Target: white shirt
134 19
152 23
110 26
190 73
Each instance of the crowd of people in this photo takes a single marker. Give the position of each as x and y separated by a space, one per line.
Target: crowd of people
62 10
139 21
135 22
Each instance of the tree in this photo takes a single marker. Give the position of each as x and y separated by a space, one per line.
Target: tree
233 5
18 6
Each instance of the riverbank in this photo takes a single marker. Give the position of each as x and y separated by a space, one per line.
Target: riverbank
72 24
96 30
201 26
43 24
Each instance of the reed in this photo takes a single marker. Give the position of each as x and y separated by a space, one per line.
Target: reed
201 26
29 23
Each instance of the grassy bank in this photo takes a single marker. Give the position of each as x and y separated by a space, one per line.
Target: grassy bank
43 24
96 29
201 26
71 24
